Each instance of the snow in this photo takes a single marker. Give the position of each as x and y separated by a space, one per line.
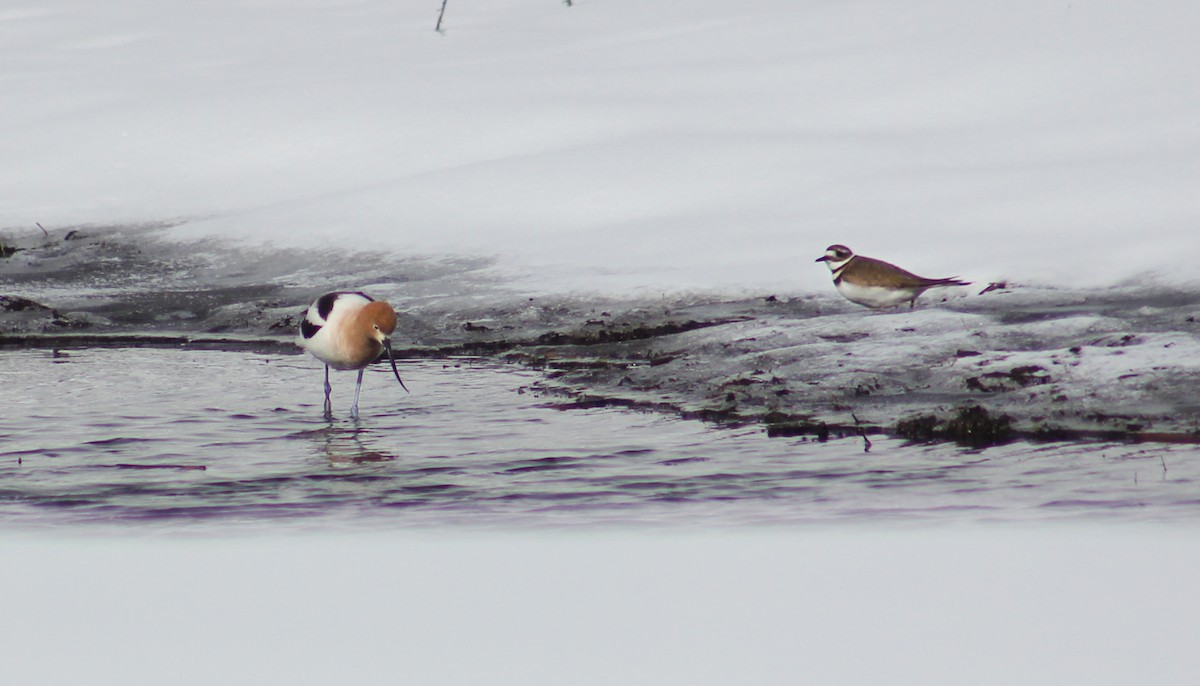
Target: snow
622 145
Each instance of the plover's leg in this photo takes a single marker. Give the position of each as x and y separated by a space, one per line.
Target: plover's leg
357 390
328 390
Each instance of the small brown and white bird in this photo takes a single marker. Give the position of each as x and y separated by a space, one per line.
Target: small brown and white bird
348 331
875 283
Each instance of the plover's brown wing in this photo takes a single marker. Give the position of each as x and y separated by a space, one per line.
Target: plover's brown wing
869 271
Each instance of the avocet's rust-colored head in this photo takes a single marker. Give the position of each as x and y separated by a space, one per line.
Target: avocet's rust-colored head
381 319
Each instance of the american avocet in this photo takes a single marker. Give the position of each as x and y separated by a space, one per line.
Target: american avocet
348 331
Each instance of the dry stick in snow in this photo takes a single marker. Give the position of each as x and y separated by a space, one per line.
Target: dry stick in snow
862 432
441 14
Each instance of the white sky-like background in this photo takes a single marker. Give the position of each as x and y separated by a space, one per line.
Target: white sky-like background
619 145
623 144
899 606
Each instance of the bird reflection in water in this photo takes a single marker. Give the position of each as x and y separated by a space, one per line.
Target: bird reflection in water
344 446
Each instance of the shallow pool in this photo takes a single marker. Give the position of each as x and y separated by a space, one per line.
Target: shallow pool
218 440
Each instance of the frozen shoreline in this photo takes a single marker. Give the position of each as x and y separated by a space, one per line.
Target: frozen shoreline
1114 363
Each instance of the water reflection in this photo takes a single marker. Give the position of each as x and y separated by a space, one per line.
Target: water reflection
349 445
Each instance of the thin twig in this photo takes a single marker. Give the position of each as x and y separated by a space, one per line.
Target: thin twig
863 433
441 14
39 225
197 467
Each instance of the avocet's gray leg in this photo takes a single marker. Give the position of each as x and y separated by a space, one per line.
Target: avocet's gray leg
357 390
328 390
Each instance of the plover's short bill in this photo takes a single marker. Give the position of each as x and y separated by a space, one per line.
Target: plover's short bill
348 331
876 283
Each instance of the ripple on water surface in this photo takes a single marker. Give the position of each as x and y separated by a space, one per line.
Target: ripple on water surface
201 438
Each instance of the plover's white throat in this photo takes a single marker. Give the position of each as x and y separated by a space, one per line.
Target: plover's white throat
876 283
348 331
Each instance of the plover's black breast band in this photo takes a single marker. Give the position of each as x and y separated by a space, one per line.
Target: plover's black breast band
837 273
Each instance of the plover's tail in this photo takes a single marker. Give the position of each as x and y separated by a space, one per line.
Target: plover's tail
949 281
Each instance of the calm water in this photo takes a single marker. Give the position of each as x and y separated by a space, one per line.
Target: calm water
187 439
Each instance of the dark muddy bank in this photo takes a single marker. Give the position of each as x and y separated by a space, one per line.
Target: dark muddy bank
1014 362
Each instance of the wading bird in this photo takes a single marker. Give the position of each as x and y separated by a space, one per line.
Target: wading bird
875 283
348 331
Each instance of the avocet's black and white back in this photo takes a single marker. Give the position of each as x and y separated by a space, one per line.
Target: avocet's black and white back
348 330
875 283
